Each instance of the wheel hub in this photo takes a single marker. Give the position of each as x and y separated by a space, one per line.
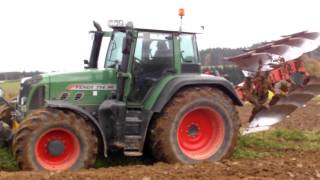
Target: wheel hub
56 147
193 130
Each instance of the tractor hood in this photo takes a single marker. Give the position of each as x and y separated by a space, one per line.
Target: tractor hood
87 88
81 76
87 82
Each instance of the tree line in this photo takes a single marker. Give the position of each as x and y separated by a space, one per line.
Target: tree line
17 75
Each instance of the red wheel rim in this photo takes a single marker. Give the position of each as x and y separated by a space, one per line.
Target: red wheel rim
200 133
63 160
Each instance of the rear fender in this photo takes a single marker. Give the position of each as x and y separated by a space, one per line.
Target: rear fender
182 81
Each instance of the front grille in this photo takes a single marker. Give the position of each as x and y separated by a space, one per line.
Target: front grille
37 98
25 87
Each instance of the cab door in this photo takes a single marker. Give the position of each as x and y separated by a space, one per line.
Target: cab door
153 59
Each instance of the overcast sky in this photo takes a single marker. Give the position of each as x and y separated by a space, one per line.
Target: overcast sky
53 35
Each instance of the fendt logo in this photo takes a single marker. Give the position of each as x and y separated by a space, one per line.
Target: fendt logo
91 87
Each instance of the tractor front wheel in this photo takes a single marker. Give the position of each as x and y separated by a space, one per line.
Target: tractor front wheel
50 139
198 124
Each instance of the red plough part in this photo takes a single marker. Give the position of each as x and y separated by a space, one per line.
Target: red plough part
277 67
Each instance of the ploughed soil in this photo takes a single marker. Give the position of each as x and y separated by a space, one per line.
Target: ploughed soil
307 118
292 165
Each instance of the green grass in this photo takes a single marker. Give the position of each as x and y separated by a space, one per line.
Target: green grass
11 88
276 143
7 162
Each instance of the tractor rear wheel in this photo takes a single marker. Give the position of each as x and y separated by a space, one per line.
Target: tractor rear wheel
50 139
198 124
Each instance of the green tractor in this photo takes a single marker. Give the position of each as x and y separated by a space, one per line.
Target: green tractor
150 96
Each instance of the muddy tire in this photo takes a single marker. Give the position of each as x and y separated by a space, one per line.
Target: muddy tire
50 139
198 124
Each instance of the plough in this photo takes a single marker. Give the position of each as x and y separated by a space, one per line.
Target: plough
277 68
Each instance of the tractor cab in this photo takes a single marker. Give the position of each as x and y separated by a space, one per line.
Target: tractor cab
144 56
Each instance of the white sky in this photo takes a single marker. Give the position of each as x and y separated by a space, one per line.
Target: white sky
53 35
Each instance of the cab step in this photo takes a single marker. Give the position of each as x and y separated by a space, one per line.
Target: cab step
133 145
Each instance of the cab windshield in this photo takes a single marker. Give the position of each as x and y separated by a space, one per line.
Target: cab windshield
114 53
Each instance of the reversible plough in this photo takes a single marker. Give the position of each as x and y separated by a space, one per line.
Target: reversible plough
276 81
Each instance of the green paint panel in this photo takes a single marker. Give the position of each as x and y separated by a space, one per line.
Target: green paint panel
60 82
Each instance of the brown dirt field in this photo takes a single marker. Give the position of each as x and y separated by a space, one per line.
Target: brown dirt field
307 118
292 165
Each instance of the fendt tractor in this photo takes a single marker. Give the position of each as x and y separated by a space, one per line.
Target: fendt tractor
150 96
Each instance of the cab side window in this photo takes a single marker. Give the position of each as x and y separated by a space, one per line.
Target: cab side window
154 54
188 49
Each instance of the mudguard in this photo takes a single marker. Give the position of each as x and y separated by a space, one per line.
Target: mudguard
185 80
57 104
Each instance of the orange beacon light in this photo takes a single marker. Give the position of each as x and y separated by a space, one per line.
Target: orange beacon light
181 12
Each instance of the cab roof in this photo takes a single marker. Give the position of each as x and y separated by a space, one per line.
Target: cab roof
123 28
